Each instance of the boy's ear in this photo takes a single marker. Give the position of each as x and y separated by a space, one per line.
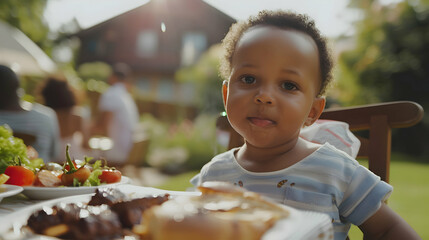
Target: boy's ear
316 110
224 91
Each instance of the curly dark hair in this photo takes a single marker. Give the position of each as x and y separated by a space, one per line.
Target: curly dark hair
283 20
57 94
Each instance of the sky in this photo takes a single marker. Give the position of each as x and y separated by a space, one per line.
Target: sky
331 16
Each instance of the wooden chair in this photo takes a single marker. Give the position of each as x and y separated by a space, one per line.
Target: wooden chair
379 119
137 155
27 138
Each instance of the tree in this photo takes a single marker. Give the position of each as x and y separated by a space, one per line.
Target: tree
390 62
205 76
28 17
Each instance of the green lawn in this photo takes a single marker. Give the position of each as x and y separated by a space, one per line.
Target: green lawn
409 199
410 181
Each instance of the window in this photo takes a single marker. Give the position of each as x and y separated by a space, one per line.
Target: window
144 86
193 45
147 43
166 90
91 46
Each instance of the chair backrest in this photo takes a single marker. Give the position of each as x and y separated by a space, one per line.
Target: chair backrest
138 152
27 138
379 119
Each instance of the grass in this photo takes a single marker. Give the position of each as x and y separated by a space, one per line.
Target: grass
179 182
409 198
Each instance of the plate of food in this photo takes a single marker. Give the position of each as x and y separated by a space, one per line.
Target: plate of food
215 212
44 193
7 190
74 177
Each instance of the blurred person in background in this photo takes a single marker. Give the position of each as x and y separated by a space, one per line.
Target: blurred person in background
58 95
117 115
28 118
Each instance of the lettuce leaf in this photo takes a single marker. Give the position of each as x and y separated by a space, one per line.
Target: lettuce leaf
11 148
93 179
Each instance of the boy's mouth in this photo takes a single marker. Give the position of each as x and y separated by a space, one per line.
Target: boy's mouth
261 122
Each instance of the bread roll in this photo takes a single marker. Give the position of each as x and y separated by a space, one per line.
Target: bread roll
222 212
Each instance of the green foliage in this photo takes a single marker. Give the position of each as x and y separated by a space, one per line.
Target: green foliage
183 146
390 63
28 17
389 60
95 75
204 74
94 70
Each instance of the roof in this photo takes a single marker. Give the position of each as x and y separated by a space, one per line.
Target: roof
21 54
167 7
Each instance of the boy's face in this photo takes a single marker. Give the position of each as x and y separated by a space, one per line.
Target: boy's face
274 82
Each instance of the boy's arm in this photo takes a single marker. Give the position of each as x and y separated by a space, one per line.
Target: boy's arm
386 224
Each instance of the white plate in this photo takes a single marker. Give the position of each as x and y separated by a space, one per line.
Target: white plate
44 193
7 190
300 225
11 224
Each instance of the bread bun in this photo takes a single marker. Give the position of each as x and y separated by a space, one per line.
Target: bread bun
222 212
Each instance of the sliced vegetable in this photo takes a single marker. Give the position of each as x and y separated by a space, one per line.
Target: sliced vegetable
3 178
46 178
19 175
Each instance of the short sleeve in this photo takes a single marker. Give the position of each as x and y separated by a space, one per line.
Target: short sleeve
108 101
364 196
196 180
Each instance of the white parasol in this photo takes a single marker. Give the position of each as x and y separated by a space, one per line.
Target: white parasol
21 54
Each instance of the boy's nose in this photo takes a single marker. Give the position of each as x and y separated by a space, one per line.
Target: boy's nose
263 98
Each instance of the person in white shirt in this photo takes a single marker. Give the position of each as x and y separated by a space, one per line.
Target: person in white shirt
117 116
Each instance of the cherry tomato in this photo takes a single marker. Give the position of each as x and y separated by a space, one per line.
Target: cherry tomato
19 175
110 176
67 167
81 175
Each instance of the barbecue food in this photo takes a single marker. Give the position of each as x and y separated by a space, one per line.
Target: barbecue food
107 196
108 215
72 221
222 212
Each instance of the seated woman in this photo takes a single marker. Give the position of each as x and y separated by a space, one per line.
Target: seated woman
28 118
58 95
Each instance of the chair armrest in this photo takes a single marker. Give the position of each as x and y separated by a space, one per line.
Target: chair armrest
400 114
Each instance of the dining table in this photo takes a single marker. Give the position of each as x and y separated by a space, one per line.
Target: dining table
15 211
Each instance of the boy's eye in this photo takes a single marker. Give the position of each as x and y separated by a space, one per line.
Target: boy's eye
289 86
248 79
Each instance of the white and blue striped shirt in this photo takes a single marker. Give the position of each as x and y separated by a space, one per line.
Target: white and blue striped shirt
40 121
328 181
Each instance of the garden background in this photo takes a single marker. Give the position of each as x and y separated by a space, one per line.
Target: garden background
387 59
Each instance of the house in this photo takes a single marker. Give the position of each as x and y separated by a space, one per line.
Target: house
156 39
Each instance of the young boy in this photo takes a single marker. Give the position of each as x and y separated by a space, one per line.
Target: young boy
278 66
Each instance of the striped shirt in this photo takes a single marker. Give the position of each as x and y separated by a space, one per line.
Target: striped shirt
327 181
41 122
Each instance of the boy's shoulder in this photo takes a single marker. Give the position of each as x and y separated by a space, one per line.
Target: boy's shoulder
224 156
221 160
335 156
